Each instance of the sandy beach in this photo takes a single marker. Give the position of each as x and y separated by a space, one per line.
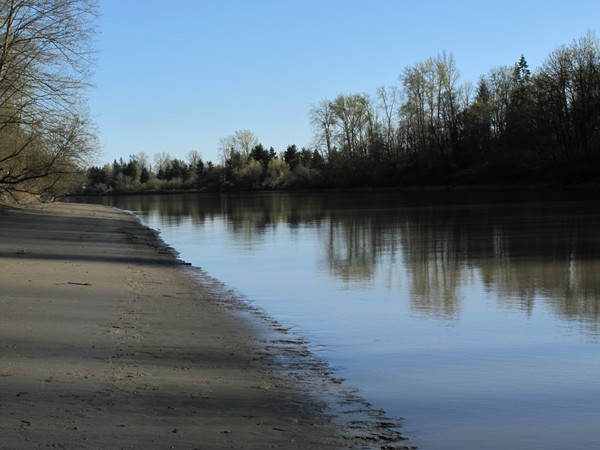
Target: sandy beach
107 340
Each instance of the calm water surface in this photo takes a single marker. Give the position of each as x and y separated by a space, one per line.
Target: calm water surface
475 316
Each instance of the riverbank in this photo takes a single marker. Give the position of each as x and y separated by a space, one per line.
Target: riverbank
109 341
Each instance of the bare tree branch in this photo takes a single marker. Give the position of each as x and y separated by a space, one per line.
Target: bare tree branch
45 63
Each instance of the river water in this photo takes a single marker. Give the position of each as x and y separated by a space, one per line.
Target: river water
473 315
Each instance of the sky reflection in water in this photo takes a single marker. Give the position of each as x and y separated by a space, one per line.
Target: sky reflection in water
473 315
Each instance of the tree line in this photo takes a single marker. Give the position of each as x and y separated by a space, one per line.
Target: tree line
245 167
512 126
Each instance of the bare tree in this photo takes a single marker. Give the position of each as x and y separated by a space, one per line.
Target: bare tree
161 162
416 110
353 116
431 108
142 159
45 63
194 157
388 103
323 121
500 83
239 145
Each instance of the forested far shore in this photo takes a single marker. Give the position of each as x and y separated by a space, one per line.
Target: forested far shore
514 126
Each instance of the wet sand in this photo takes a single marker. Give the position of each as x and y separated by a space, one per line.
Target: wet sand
107 340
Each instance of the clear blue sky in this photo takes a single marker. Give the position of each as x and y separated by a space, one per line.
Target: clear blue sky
180 75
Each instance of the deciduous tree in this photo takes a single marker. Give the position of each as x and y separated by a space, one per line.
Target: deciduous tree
45 62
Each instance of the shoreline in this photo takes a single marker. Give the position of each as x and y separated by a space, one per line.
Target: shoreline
441 187
110 341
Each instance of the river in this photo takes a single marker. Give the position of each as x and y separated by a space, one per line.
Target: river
473 315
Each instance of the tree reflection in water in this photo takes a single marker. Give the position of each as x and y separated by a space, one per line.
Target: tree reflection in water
526 247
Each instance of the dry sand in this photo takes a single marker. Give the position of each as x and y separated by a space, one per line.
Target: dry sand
107 340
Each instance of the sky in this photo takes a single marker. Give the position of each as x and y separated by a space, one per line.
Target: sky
181 75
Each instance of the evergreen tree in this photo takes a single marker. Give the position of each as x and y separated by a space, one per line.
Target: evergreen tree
520 114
